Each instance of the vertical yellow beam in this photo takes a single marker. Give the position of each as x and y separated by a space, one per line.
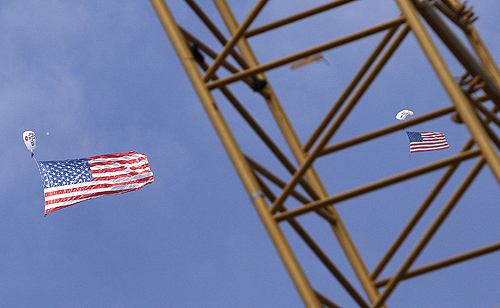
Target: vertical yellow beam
480 49
235 38
297 149
237 158
464 108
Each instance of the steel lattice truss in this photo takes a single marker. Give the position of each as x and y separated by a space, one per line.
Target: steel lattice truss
285 189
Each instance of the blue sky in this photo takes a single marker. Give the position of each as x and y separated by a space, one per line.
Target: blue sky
102 77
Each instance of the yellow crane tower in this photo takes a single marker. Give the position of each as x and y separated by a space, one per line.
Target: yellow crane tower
299 177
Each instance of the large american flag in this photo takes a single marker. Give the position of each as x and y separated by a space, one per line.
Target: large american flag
427 141
67 182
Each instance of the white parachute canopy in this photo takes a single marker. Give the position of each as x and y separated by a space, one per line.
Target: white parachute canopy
403 114
30 140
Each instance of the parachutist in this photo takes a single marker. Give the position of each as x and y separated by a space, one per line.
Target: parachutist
403 114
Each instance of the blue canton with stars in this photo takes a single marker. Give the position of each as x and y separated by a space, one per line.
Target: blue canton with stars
65 172
414 137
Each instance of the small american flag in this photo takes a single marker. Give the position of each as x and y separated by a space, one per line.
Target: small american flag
426 141
67 182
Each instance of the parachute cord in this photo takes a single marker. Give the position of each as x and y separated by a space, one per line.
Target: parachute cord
38 166
36 161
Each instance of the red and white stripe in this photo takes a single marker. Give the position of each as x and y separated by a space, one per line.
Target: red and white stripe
112 174
431 142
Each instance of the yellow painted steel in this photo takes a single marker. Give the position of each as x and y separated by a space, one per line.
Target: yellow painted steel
236 156
272 209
